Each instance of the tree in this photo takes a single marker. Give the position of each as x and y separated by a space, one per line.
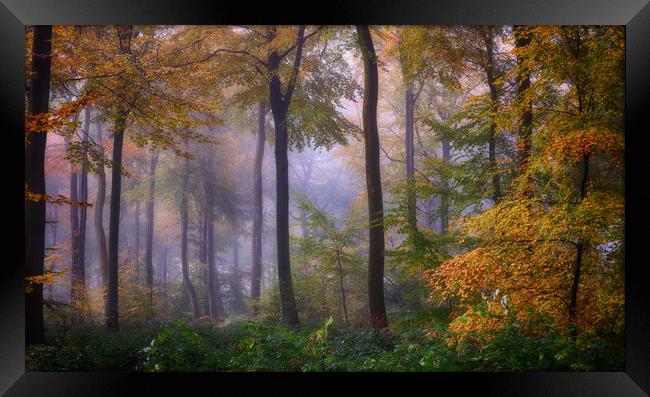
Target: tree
76 294
303 97
258 216
330 246
235 281
376 305
141 89
83 209
39 92
524 139
488 34
214 295
99 215
120 123
279 107
148 258
187 282
550 253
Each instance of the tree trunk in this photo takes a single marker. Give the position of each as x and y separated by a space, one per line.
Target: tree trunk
236 278
282 223
410 158
83 211
75 282
258 217
112 322
580 248
163 281
150 223
203 257
215 303
444 199
492 142
377 306
150 220
54 224
345 307
137 241
39 94
279 108
187 282
99 215
524 144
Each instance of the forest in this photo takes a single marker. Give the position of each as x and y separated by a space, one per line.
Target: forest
324 198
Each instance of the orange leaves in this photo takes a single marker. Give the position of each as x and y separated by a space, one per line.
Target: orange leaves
462 276
59 200
573 146
56 120
524 262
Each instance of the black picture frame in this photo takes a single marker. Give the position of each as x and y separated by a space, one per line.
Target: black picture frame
634 14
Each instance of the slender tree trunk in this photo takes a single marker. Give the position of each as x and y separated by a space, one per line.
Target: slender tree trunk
53 230
580 248
236 277
137 241
258 217
203 257
75 287
150 219
54 224
524 143
378 318
150 223
203 241
444 199
99 216
39 94
163 282
187 282
214 294
83 210
410 157
345 307
279 108
492 140
444 181
582 244
112 322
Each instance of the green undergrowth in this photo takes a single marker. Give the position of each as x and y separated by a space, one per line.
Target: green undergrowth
417 341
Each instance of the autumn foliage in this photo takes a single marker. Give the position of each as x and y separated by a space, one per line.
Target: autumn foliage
560 230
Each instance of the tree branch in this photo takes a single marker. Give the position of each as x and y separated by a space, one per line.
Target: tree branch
296 64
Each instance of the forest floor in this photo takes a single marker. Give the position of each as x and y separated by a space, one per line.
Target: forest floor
417 341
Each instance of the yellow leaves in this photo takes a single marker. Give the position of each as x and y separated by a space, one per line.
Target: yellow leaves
31 282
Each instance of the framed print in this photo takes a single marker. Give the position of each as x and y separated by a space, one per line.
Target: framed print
426 194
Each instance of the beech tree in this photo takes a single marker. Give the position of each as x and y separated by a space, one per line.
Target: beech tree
39 91
304 111
376 304
258 217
